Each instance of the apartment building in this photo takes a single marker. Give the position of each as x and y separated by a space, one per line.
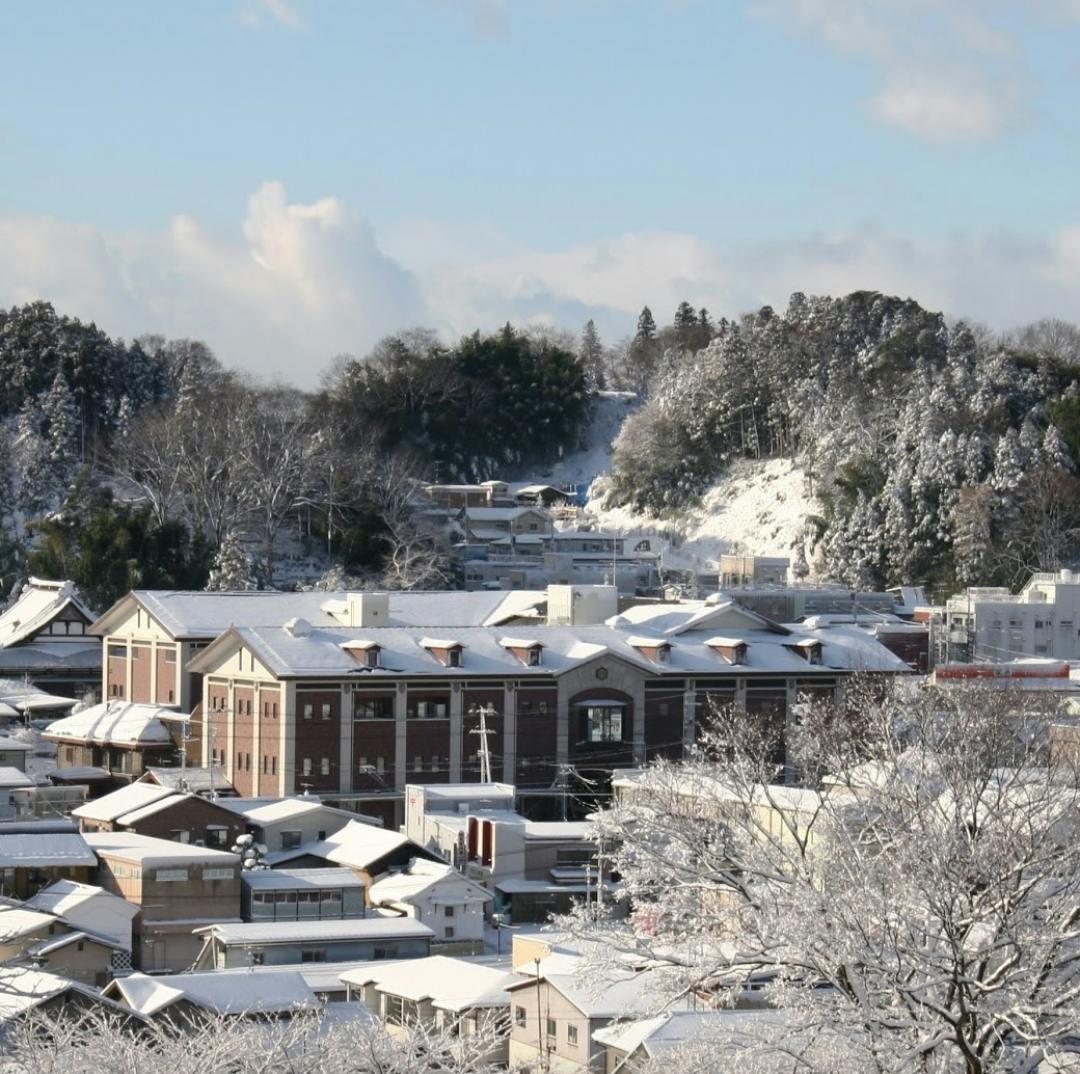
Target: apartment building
993 624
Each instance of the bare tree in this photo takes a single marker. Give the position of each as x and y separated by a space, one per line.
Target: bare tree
916 906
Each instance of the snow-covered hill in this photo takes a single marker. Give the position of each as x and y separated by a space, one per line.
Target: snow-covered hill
758 507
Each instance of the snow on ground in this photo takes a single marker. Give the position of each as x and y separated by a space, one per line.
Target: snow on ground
610 410
758 507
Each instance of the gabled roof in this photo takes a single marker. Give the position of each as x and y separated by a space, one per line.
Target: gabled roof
420 876
619 994
87 907
221 993
149 852
22 990
451 984
117 723
18 921
39 603
11 778
200 615
360 846
109 807
45 850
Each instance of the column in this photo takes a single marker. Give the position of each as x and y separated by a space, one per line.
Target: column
689 712
509 709
345 754
400 723
455 732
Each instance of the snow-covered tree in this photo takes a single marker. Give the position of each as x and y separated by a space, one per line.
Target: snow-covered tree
914 907
234 568
591 353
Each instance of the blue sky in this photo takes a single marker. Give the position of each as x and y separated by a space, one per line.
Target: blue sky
290 179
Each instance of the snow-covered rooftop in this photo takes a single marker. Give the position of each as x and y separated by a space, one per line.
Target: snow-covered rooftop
149 851
186 614
88 907
39 603
285 932
222 993
11 778
420 876
116 723
451 984
300 879
358 845
109 807
44 850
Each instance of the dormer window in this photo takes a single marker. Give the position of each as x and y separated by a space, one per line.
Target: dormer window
529 652
365 653
655 649
733 650
445 650
810 649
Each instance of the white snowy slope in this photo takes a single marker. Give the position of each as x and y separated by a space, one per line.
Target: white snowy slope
758 507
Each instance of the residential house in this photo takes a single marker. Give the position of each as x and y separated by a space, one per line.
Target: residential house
85 906
12 780
189 998
178 888
364 711
26 993
301 894
283 825
21 701
149 809
49 942
629 1045
556 1011
440 897
279 943
36 853
366 850
43 640
14 752
120 737
445 994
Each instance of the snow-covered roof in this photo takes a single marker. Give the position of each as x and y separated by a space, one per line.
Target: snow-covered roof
665 1033
111 806
285 932
358 845
44 850
496 514
185 614
149 851
222 993
14 777
88 907
39 603
21 696
116 723
520 643
17 921
261 812
193 779
618 995
451 984
406 651
12 745
22 990
420 876
300 879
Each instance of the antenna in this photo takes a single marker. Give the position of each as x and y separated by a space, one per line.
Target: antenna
483 711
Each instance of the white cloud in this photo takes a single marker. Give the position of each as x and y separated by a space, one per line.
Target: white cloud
947 71
280 11
297 284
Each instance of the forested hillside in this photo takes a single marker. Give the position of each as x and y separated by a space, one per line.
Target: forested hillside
938 452
941 454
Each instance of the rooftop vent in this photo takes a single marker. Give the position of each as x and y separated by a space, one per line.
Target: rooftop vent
298 627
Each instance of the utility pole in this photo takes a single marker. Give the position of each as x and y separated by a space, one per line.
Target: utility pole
539 1019
483 711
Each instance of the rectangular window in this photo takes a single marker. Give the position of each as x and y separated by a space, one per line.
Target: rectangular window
307 766
170 875
290 840
273 766
521 1017
273 710
571 1036
217 873
315 954
118 651
453 658
552 1029
448 932
603 723
375 708
170 656
448 911
326 710
324 766
247 761
380 765
309 710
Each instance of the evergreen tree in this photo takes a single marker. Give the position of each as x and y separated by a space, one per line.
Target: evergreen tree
62 431
30 453
234 568
591 355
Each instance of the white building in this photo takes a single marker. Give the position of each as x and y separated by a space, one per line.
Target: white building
992 624
440 897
